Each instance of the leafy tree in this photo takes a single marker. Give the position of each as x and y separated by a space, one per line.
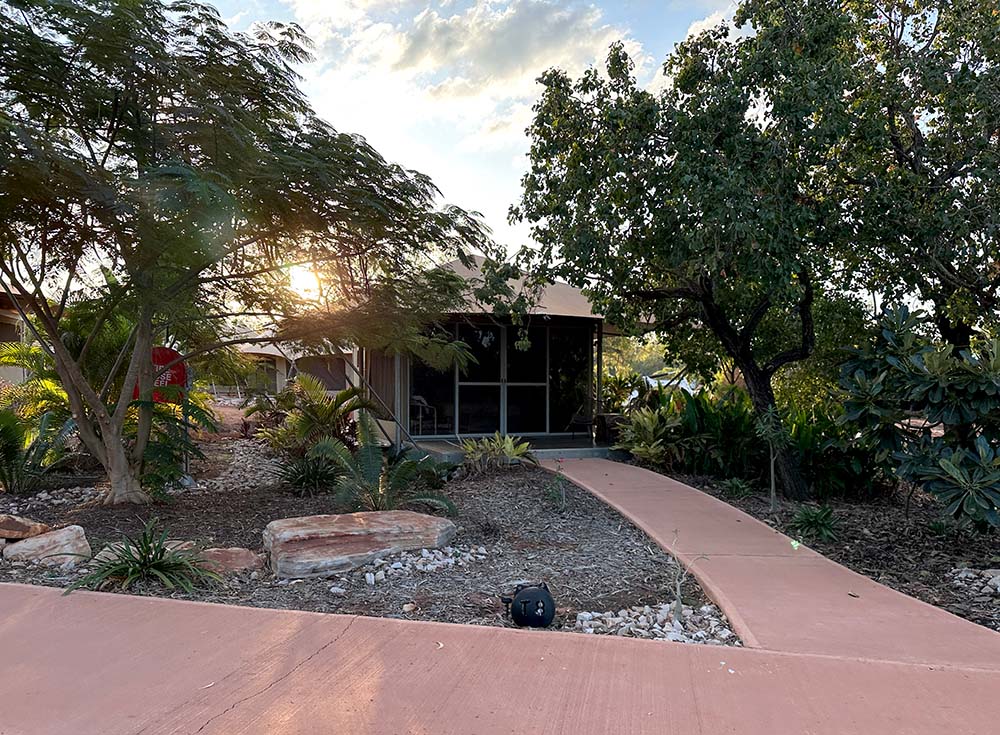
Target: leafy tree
919 162
156 164
699 210
630 355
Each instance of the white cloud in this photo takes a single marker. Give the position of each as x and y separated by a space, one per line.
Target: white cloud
709 22
723 13
448 89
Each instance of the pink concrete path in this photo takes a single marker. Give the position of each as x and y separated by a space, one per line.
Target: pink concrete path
103 664
779 597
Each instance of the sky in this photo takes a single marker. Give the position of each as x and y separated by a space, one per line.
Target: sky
447 87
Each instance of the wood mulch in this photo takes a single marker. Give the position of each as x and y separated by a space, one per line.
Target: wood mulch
904 549
534 527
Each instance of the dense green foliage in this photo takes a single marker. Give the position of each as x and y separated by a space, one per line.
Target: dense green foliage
717 433
932 412
26 456
304 412
370 480
687 213
834 149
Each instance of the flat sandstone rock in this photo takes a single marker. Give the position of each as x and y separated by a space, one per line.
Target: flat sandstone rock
321 546
64 546
232 559
13 528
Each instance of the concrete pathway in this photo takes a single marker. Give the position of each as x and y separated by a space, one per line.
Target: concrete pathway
776 596
103 664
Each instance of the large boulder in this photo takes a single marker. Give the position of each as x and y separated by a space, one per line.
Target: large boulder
16 527
63 547
321 546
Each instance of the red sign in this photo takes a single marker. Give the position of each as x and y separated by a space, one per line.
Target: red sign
176 374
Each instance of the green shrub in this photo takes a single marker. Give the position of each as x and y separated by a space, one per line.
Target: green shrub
310 414
432 474
309 475
22 468
966 482
815 522
735 488
147 558
701 433
494 452
901 385
368 481
835 460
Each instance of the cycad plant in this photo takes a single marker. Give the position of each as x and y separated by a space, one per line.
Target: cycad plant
313 414
41 393
26 454
370 482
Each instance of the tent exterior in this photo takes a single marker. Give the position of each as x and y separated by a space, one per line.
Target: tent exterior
547 387
276 364
12 329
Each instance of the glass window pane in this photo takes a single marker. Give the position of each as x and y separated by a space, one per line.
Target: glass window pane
479 409
526 366
525 409
484 342
432 400
569 376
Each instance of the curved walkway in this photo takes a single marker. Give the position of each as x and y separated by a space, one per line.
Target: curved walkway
777 596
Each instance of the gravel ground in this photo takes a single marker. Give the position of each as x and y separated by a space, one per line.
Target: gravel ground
905 550
517 526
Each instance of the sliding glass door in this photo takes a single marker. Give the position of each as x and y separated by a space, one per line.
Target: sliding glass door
514 386
480 386
526 389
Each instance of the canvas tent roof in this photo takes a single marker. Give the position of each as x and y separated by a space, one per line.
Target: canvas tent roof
558 299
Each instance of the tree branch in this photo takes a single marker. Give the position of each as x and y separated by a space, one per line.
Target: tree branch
808 331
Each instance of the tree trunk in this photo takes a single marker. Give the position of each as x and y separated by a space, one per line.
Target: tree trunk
956 333
793 485
123 475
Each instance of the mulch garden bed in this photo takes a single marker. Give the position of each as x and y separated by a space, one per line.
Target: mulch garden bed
902 549
515 526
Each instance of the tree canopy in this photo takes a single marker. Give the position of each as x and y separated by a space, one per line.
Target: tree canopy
159 167
697 209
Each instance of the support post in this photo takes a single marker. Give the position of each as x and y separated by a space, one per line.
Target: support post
397 398
600 367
